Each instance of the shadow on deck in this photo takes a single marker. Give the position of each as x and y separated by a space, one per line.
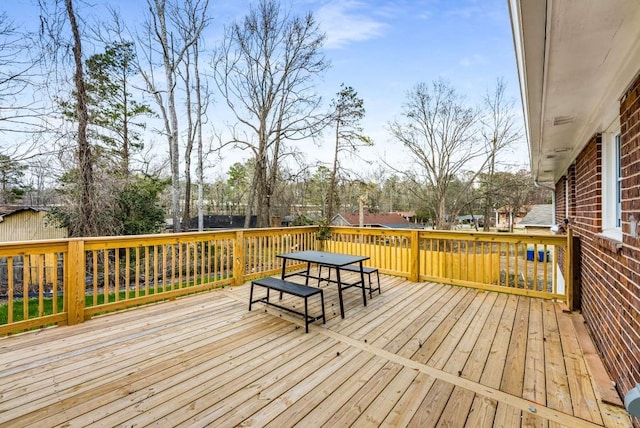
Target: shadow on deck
420 354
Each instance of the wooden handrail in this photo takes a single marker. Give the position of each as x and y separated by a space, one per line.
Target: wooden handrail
95 275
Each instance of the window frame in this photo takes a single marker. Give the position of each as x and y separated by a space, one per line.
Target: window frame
612 182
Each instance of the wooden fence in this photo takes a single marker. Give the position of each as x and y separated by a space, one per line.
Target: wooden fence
68 281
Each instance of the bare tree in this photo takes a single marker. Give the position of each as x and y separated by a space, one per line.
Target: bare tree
86 226
200 113
18 64
188 21
159 40
500 132
439 131
347 111
264 70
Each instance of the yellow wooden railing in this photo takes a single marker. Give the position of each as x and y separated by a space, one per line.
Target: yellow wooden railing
69 281
511 263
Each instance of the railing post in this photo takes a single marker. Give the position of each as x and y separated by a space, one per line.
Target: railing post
239 259
75 283
414 266
568 267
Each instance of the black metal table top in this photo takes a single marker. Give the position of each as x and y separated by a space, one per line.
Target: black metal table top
323 257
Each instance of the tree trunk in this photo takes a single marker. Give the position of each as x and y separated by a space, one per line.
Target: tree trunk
125 126
441 219
250 200
174 149
189 147
86 228
334 172
200 112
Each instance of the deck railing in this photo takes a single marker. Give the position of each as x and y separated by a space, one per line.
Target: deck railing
68 281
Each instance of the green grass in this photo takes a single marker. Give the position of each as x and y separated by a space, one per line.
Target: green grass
18 308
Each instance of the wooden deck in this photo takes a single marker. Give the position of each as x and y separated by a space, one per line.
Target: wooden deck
418 355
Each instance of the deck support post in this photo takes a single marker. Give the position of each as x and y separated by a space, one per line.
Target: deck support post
75 282
239 259
568 263
414 267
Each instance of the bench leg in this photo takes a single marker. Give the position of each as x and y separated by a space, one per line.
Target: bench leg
364 292
340 293
324 319
306 315
251 297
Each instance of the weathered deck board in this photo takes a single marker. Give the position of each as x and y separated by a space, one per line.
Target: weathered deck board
416 355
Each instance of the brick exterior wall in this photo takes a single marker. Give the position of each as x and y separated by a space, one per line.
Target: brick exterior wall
571 178
561 200
609 272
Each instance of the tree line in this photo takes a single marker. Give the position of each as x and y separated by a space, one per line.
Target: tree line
88 143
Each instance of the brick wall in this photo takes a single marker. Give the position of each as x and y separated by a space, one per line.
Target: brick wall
610 272
571 178
561 200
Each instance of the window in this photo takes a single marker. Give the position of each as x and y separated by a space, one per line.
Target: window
612 182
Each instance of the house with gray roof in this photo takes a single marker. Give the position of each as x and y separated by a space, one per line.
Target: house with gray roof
539 219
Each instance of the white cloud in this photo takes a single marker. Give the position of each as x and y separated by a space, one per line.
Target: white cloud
345 22
480 11
473 60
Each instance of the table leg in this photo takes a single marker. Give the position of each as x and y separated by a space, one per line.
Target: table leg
284 268
340 292
306 280
364 294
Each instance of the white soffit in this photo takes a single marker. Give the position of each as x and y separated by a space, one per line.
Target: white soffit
575 60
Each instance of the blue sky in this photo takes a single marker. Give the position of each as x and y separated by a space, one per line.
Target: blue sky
381 48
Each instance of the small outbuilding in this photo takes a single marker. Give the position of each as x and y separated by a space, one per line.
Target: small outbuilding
26 223
539 219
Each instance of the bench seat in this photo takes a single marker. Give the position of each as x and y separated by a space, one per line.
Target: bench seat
355 268
293 289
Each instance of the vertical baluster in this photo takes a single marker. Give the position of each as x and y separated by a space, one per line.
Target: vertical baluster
545 266
519 247
180 265
127 272
116 273
105 274
208 260
40 276
10 285
54 283
508 263
137 278
203 250
165 269
25 288
187 262
94 254
155 269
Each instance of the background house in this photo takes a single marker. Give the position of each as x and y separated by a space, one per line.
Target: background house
20 223
539 219
508 216
579 69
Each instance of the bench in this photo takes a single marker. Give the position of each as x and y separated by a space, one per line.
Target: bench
292 288
355 268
